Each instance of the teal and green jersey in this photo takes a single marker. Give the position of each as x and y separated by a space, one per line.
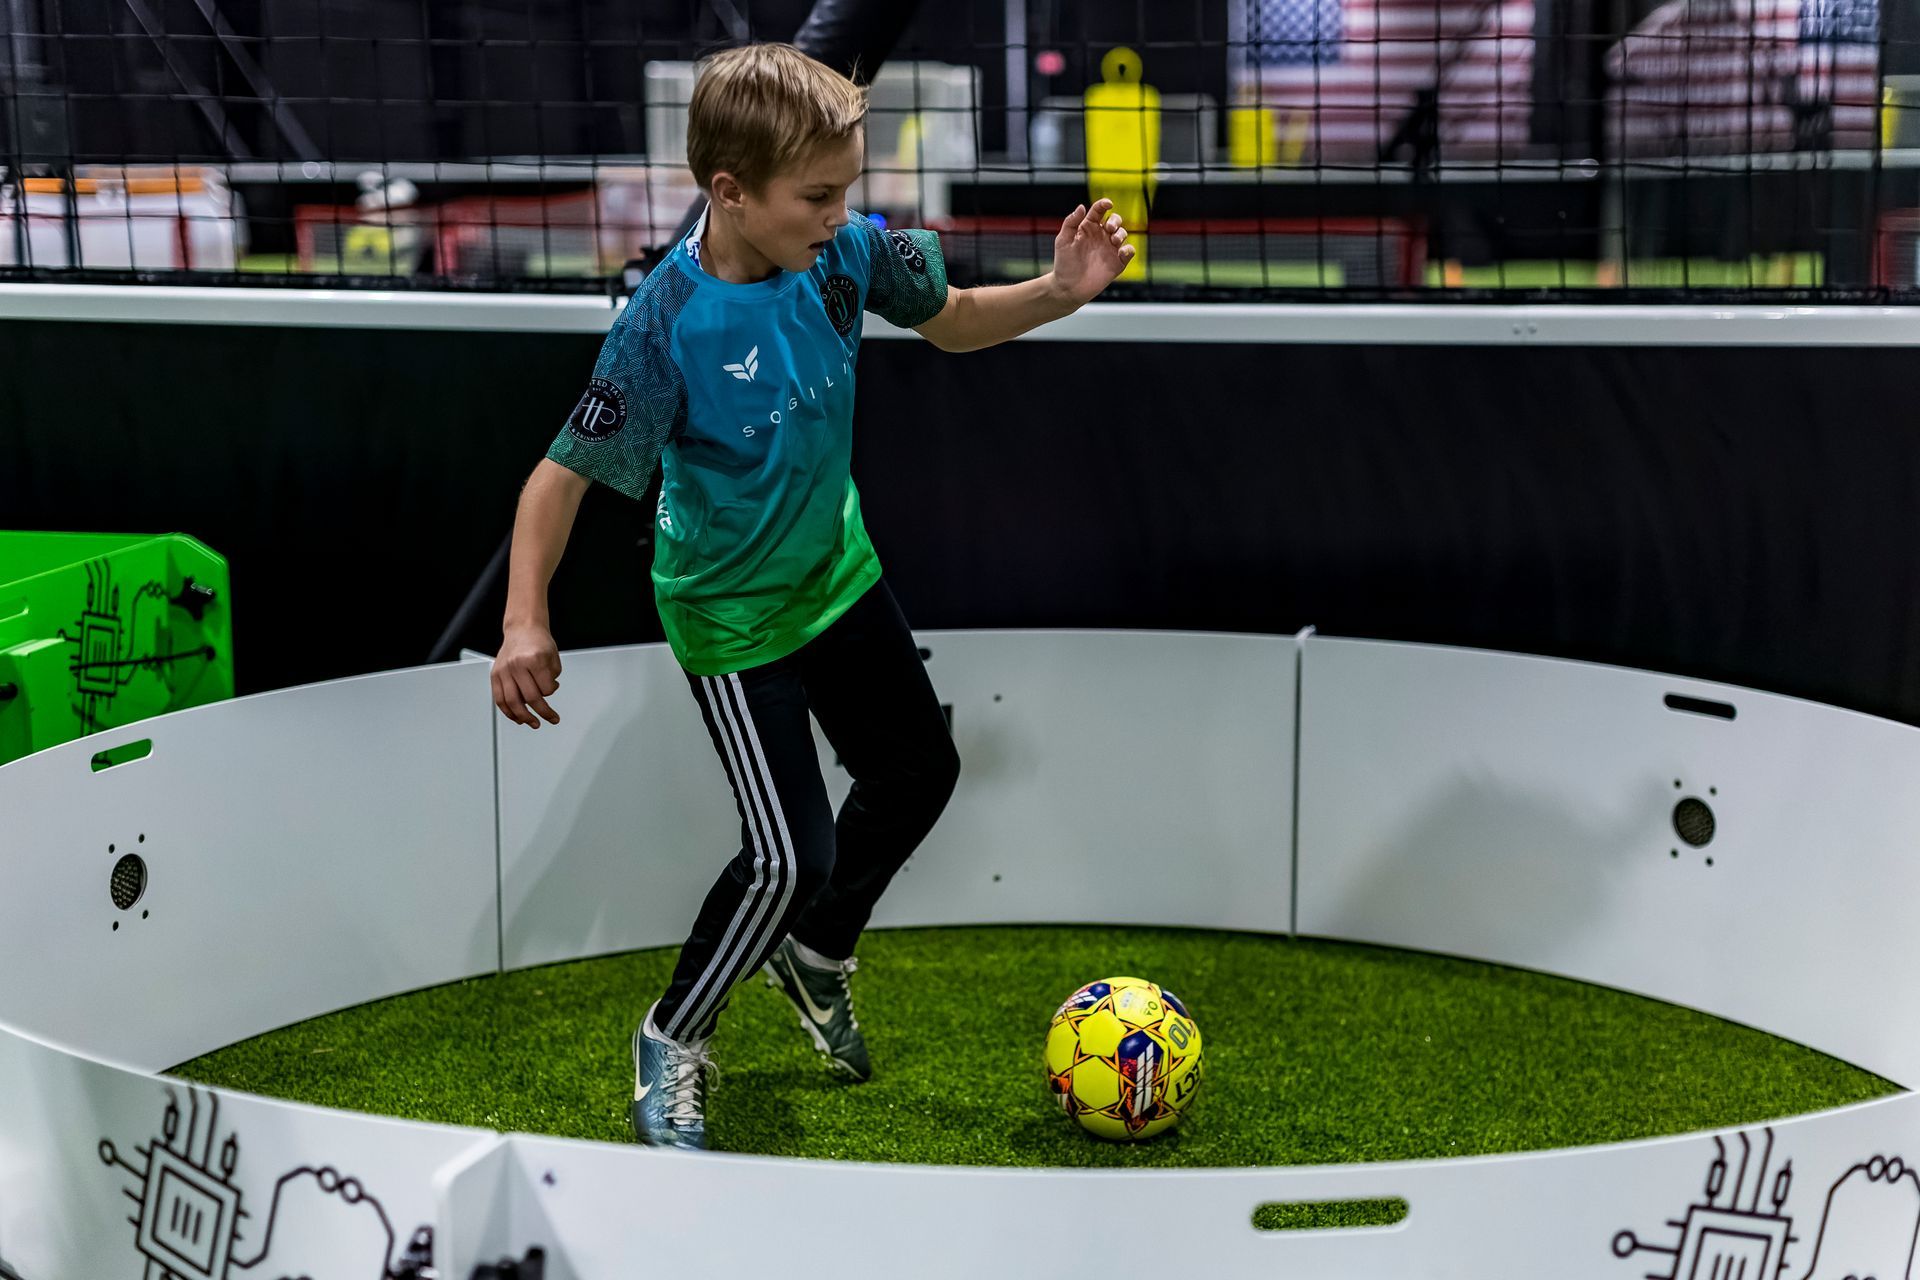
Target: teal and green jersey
742 395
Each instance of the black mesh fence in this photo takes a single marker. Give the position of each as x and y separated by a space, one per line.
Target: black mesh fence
1595 150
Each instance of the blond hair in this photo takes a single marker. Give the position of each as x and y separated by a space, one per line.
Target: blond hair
760 108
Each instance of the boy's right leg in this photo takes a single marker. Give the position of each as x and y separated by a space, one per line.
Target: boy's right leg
759 725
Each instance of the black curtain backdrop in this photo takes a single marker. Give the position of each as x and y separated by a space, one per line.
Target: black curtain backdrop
1749 516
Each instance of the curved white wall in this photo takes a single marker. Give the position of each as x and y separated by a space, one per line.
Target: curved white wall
307 850
1105 777
324 846
1520 810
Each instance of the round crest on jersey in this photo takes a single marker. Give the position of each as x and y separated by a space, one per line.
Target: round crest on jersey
601 413
841 297
909 252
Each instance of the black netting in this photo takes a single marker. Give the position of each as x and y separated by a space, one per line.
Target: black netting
1262 149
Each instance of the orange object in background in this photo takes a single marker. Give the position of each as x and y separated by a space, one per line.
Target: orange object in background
149 217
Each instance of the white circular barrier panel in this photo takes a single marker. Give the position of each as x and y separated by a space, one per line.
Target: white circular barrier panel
314 848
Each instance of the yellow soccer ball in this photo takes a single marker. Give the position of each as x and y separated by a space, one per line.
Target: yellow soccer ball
1123 1058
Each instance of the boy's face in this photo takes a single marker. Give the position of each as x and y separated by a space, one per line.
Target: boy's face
796 215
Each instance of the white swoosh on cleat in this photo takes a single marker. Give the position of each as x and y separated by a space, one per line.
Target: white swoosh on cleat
639 1094
814 1011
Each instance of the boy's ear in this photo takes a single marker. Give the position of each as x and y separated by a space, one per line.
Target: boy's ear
726 191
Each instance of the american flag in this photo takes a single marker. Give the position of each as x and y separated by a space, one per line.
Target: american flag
1729 76
1342 74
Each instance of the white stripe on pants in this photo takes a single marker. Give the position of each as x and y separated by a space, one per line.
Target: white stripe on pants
763 906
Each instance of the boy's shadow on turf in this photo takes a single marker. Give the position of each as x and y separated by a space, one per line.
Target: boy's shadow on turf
771 1098
763 1094
1046 1136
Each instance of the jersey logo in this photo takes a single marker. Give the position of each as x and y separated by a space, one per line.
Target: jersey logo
746 368
601 413
841 297
909 252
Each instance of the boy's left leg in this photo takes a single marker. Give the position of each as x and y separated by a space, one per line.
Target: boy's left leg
865 684
868 688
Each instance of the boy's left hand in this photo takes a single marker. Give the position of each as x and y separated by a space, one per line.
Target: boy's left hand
1089 252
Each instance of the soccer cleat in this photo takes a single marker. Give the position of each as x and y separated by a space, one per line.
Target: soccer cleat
825 1005
668 1080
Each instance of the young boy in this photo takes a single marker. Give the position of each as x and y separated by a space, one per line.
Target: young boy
732 369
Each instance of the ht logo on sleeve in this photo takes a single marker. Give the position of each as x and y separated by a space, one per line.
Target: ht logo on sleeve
601 413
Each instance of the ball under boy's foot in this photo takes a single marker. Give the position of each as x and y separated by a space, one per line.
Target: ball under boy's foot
825 1005
668 1082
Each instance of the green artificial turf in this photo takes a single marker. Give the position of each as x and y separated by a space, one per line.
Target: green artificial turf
1782 270
1316 1052
1225 272
1787 270
281 264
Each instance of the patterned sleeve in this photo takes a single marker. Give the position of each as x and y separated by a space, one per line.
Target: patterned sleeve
906 274
635 403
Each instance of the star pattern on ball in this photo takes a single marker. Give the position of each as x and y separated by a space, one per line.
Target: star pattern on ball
1123 1058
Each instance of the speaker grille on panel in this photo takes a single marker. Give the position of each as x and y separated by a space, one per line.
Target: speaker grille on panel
1694 821
129 880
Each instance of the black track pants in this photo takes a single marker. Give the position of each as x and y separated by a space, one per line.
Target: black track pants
799 870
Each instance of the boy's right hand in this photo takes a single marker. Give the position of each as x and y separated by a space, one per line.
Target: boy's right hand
525 673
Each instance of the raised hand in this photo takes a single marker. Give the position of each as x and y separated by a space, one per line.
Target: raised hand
1089 252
